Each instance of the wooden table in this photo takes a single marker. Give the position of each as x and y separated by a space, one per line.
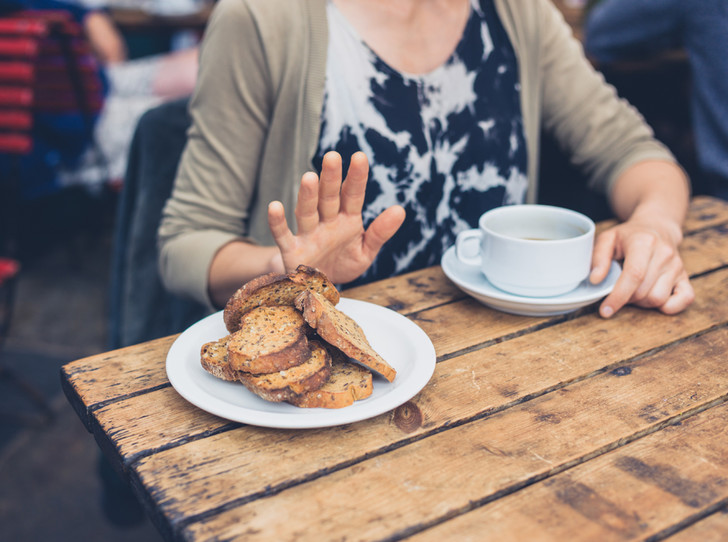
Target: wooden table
553 428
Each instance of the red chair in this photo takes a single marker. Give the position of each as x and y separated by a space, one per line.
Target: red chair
46 67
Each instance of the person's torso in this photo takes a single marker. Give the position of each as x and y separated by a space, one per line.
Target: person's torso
447 145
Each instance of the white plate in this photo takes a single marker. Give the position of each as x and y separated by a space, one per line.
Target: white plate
471 280
398 340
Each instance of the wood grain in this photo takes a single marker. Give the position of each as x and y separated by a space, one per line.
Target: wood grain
672 474
95 380
705 212
465 387
713 528
440 477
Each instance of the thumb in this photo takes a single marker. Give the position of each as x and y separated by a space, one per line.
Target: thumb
602 256
382 229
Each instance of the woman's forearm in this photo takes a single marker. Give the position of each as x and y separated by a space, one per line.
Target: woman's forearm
653 190
236 263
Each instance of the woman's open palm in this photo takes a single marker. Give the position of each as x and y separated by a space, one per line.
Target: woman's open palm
330 233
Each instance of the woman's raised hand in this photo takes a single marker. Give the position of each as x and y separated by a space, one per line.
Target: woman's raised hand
330 233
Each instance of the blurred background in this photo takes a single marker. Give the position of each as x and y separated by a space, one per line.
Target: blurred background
50 488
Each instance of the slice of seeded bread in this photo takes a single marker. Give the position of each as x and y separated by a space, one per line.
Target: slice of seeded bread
270 339
283 385
341 331
214 359
313 279
348 382
276 289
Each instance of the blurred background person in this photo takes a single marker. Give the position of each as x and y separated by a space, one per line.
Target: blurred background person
132 87
135 86
617 30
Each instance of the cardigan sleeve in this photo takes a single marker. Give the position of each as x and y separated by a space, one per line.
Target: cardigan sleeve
216 181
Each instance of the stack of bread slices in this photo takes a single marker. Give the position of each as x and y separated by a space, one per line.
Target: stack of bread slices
288 342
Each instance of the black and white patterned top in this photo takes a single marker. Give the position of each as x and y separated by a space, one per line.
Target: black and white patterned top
447 145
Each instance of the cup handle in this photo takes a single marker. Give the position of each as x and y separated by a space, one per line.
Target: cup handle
463 253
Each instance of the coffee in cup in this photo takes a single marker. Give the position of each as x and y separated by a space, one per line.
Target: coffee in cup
530 250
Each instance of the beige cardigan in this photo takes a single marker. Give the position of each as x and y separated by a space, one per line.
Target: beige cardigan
256 116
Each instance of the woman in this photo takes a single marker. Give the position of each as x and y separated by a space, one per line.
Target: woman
447 99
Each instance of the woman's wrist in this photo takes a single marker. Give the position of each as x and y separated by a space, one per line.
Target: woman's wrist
236 263
656 194
668 224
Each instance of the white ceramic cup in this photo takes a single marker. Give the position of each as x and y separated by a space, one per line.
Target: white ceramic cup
530 250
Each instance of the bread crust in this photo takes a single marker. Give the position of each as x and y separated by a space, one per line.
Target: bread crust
283 385
348 382
253 293
214 359
341 331
270 339
276 289
312 279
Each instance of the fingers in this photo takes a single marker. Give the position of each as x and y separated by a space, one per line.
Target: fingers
329 187
320 199
307 214
627 283
354 189
653 276
660 279
602 256
382 228
682 296
282 234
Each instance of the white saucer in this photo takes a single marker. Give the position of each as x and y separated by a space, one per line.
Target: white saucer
471 281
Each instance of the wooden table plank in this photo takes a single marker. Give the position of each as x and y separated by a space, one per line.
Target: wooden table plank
409 293
153 421
671 476
705 212
96 380
706 250
714 528
436 478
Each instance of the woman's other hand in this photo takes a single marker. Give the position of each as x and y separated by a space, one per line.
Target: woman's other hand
652 197
653 274
330 233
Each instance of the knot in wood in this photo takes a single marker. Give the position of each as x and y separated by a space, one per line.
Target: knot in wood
408 417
